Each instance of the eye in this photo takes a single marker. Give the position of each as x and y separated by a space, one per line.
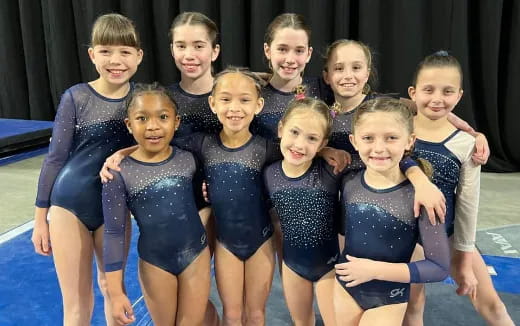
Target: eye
367 138
180 46
224 99
199 46
300 51
245 100
338 68
356 68
449 91
294 132
428 90
392 138
312 139
163 116
140 118
282 49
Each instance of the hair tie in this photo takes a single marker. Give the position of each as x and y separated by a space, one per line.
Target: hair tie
299 96
442 53
335 109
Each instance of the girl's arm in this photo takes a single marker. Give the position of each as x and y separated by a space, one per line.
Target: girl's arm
426 193
482 151
115 214
434 268
337 158
112 162
61 143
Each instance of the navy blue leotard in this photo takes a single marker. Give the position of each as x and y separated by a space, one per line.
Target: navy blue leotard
160 197
88 128
265 123
306 206
380 225
196 116
236 189
195 113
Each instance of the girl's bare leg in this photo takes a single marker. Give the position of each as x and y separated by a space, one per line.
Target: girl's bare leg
259 270
299 295
488 303
415 309
229 273
389 315
73 250
193 289
346 309
159 289
325 297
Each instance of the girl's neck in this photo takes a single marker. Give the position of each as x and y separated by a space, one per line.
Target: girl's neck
285 85
432 130
233 139
109 90
149 157
198 86
295 171
384 179
350 103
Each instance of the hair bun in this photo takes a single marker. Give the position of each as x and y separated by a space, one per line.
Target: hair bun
442 53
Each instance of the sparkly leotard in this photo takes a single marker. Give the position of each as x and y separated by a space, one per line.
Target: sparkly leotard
236 189
160 197
265 123
380 225
196 116
88 128
459 180
306 206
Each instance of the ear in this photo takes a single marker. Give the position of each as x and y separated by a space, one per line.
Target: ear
128 125
460 96
259 105
310 55
177 122
411 92
211 101
267 51
352 141
215 53
91 55
280 129
411 141
140 55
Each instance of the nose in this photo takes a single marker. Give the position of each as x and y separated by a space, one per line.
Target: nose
298 141
188 53
152 124
115 58
379 145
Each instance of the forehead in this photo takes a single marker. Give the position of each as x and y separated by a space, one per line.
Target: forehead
308 120
149 102
190 33
288 35
235 83
440 76
349 53
381 122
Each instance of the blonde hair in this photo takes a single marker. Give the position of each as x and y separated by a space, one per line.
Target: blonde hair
114 29
405 116
309 104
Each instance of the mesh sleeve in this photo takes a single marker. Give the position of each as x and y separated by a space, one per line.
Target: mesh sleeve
436 265
115 213
59 149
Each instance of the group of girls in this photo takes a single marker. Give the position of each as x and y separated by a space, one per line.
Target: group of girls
367 282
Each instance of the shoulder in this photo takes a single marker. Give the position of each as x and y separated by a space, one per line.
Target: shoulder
462 145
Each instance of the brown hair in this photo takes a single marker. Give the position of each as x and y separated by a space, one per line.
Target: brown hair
287 20
392 105
114 29
140 89
439 59
258 82
372 77
309 104
196 18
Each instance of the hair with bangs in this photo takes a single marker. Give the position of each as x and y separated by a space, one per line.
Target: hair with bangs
114 29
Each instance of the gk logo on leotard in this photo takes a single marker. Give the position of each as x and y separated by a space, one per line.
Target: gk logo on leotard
266 230
395 292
